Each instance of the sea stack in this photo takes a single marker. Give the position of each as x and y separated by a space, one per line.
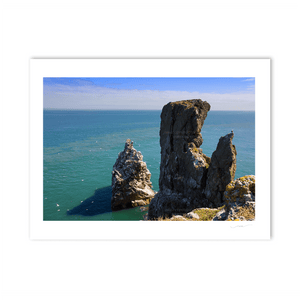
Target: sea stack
131 185
221 170
187 176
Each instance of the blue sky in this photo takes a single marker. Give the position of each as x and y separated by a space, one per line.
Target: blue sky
147 93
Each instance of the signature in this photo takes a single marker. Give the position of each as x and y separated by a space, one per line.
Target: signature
235 226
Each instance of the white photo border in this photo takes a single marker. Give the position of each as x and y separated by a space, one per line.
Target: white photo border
133 230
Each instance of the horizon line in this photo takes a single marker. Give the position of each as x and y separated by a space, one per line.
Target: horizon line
99 109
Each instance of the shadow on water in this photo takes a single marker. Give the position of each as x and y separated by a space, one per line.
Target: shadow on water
99 203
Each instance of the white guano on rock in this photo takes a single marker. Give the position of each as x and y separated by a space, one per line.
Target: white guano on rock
131 185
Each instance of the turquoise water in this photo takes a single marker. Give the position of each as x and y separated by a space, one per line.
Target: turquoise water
81 147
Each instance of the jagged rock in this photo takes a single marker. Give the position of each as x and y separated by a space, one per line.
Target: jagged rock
239 200
221 170
131 185
220 216
184 167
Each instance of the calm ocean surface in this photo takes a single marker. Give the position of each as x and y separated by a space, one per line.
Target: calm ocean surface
81 147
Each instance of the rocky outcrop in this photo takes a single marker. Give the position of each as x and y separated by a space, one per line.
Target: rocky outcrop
221 170
192 215
239 199
187 176
131 184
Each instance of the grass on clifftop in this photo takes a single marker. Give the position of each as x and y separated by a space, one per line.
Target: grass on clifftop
205 214
247 212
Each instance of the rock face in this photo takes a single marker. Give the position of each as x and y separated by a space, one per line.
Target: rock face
187 176
131 184
239 200
221 170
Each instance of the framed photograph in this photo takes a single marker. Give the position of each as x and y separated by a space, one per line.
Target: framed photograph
120 146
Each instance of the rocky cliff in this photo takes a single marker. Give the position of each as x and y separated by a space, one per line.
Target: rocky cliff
131 184
239 197
188 178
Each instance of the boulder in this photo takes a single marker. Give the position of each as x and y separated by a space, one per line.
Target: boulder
239 199
192 215
131 185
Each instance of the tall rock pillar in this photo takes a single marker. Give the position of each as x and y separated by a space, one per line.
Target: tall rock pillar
183 166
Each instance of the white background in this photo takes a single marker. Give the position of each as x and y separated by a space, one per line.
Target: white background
149 270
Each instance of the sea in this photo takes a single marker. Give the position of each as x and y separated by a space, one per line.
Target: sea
80 148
